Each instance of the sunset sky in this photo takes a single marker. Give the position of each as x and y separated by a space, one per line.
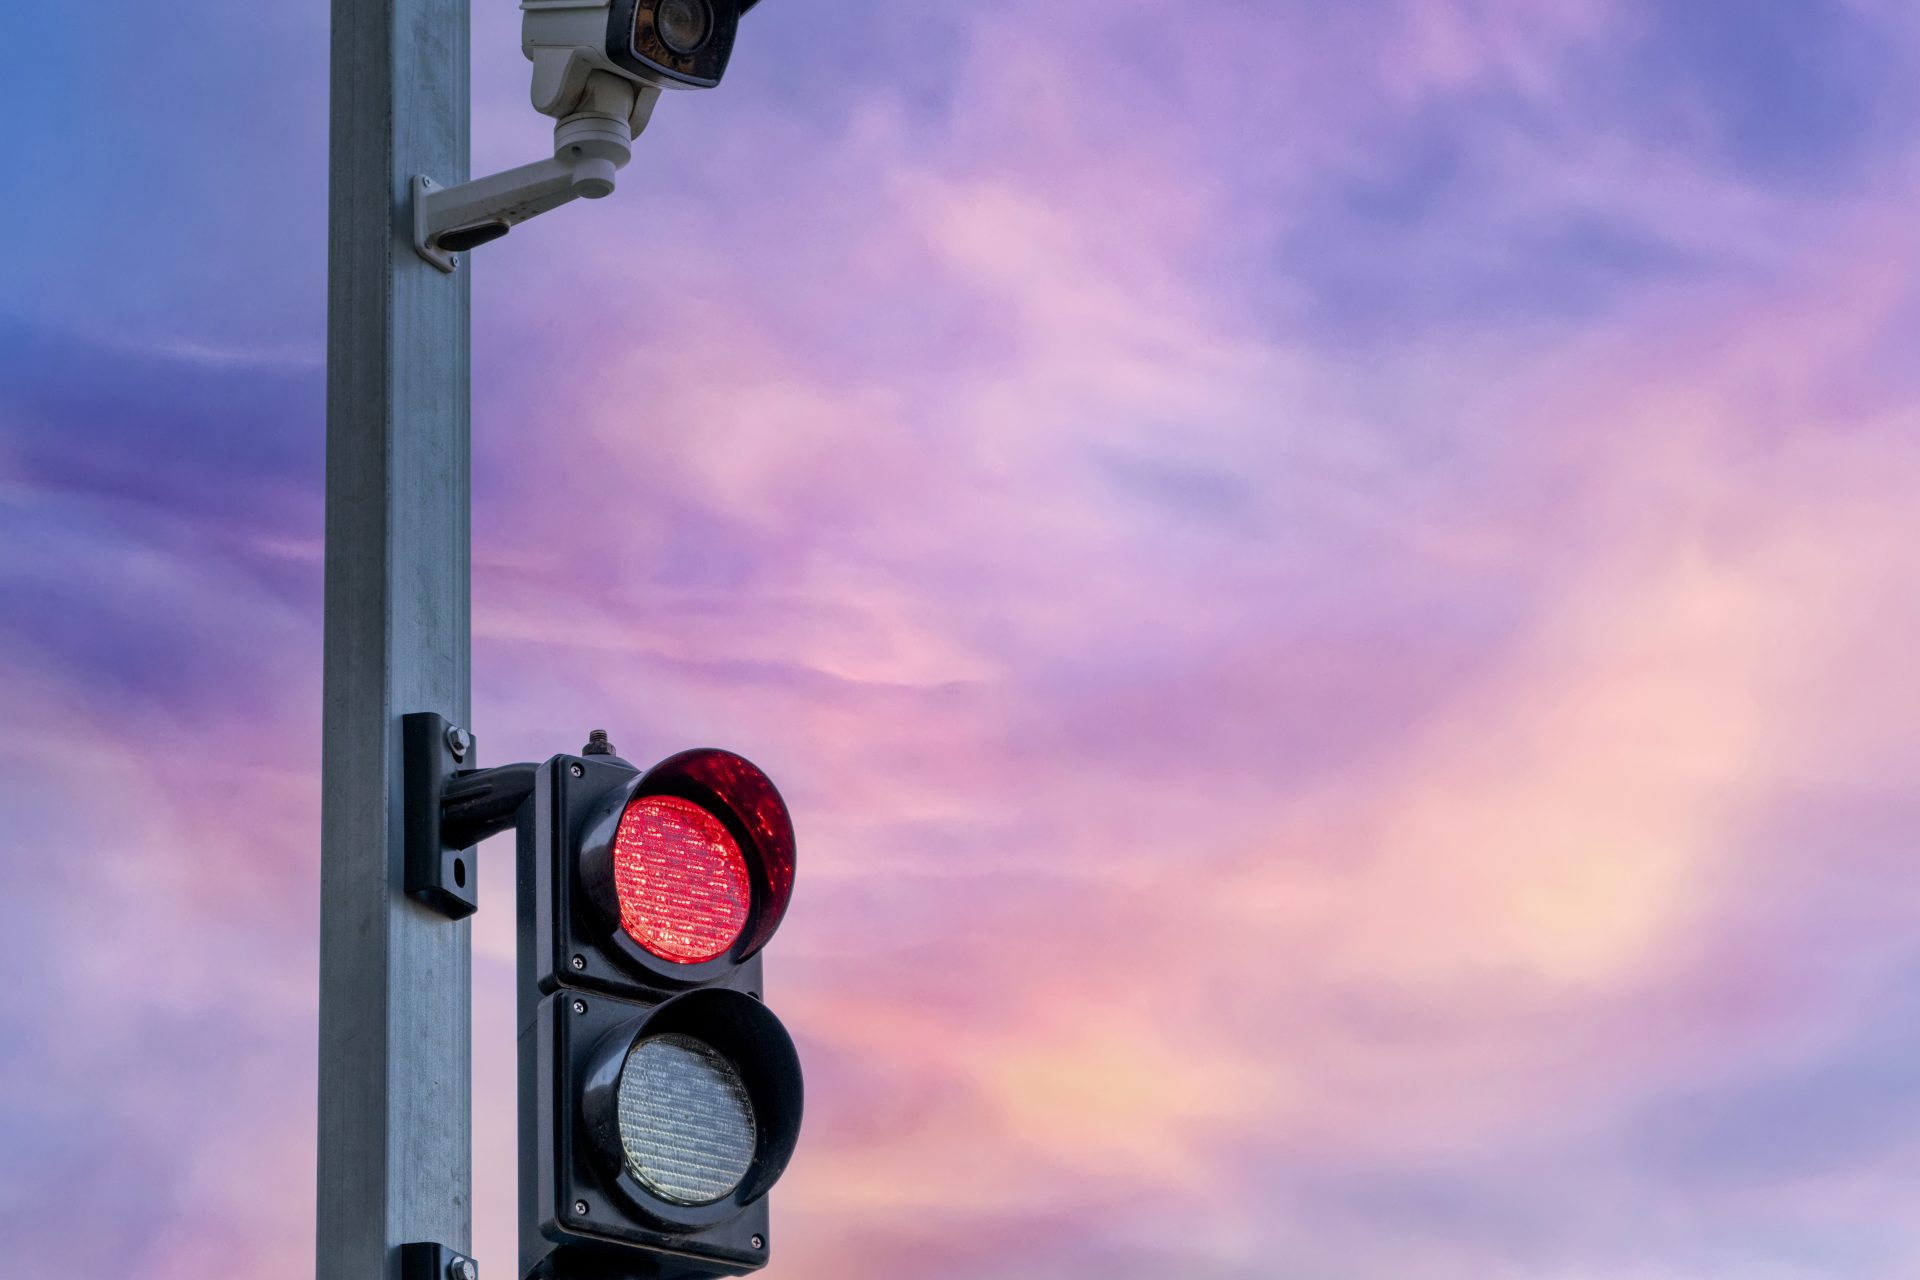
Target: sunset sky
1333 588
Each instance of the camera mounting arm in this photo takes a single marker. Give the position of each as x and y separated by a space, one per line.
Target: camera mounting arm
589 148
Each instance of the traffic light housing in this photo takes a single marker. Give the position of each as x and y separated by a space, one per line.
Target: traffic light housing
660 1097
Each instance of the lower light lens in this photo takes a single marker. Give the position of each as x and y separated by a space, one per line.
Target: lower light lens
686 1124
681 880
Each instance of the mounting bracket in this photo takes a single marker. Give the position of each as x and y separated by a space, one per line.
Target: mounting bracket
436 1262
450 809
589 149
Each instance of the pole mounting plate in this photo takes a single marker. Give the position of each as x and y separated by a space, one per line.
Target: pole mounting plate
448 880
436 1262
423 242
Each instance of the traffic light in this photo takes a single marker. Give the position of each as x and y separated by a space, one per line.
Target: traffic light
660 1098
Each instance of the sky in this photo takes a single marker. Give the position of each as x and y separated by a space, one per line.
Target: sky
1332 589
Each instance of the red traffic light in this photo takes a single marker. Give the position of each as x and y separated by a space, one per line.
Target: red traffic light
681 880
694 867
662 1098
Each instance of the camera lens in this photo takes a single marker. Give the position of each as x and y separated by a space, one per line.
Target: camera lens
684 25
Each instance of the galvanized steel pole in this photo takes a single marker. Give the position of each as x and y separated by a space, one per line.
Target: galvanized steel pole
395 1017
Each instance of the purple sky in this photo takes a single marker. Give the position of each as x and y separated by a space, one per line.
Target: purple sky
1332 588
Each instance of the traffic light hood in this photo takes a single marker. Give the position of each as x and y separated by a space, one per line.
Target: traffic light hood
626 838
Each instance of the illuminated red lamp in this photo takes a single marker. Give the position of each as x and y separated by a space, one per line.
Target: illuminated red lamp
697 869
681 880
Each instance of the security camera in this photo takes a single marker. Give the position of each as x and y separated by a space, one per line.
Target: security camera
665 44
599 67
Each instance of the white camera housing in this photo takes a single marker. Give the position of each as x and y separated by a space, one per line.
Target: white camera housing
599 67
669 44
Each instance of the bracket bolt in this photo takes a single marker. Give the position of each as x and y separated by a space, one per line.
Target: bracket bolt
463 1269
598 744
459 741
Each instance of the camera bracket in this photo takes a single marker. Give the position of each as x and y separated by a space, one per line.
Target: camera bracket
590 146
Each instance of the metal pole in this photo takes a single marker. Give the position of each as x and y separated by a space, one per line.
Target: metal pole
395 1160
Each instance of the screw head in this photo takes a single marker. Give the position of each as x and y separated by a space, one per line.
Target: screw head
579 962
463 1269
459 741
579 1006
759 1242
578 770
580 1207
